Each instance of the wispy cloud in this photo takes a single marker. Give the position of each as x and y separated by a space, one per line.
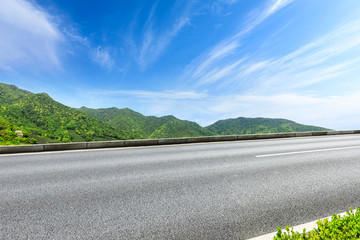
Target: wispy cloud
99 54
34 40
260 15
223 49
323 59
217 74
168 95
156 40
154 45
29 37
229 2
206 62
103 57
221 7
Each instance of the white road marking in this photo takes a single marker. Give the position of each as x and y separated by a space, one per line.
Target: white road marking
308 151
299 228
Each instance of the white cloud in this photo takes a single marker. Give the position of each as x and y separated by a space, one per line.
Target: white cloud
337 112
201 65
229 2
98 54
154 45
72 35
258 16
29 37
156 40
218 74
103 58
169 95
221 7
323 59
326 58
214 57
32 39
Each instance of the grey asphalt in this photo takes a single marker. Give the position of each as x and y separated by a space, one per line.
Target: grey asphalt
200 191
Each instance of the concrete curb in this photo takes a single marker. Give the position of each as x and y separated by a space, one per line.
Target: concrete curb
165 141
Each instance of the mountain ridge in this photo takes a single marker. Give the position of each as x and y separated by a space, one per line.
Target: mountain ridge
242 125
47 120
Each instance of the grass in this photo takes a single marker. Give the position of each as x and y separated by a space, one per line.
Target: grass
346 227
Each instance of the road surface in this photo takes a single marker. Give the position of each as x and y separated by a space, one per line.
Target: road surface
228 190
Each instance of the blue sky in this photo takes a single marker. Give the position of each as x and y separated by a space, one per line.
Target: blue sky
198 60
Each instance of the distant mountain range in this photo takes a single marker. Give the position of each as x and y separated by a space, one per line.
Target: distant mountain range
43 120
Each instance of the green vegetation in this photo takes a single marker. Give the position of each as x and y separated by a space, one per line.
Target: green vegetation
8 135
49 121
11 93
44 120
139 126
258 125
346 227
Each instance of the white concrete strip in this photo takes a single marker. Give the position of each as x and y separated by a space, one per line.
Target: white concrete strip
115 148
299 228
132 147
308 151
153 146
84 150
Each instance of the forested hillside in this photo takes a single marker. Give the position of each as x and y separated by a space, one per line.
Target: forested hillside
11 93
258 125
41 119
49 121
140 126
9 136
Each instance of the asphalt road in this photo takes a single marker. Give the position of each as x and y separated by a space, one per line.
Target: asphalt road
202 191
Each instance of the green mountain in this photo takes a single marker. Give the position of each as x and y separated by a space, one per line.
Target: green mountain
140 126
8 135
242 125
11 93
41 119
49 121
